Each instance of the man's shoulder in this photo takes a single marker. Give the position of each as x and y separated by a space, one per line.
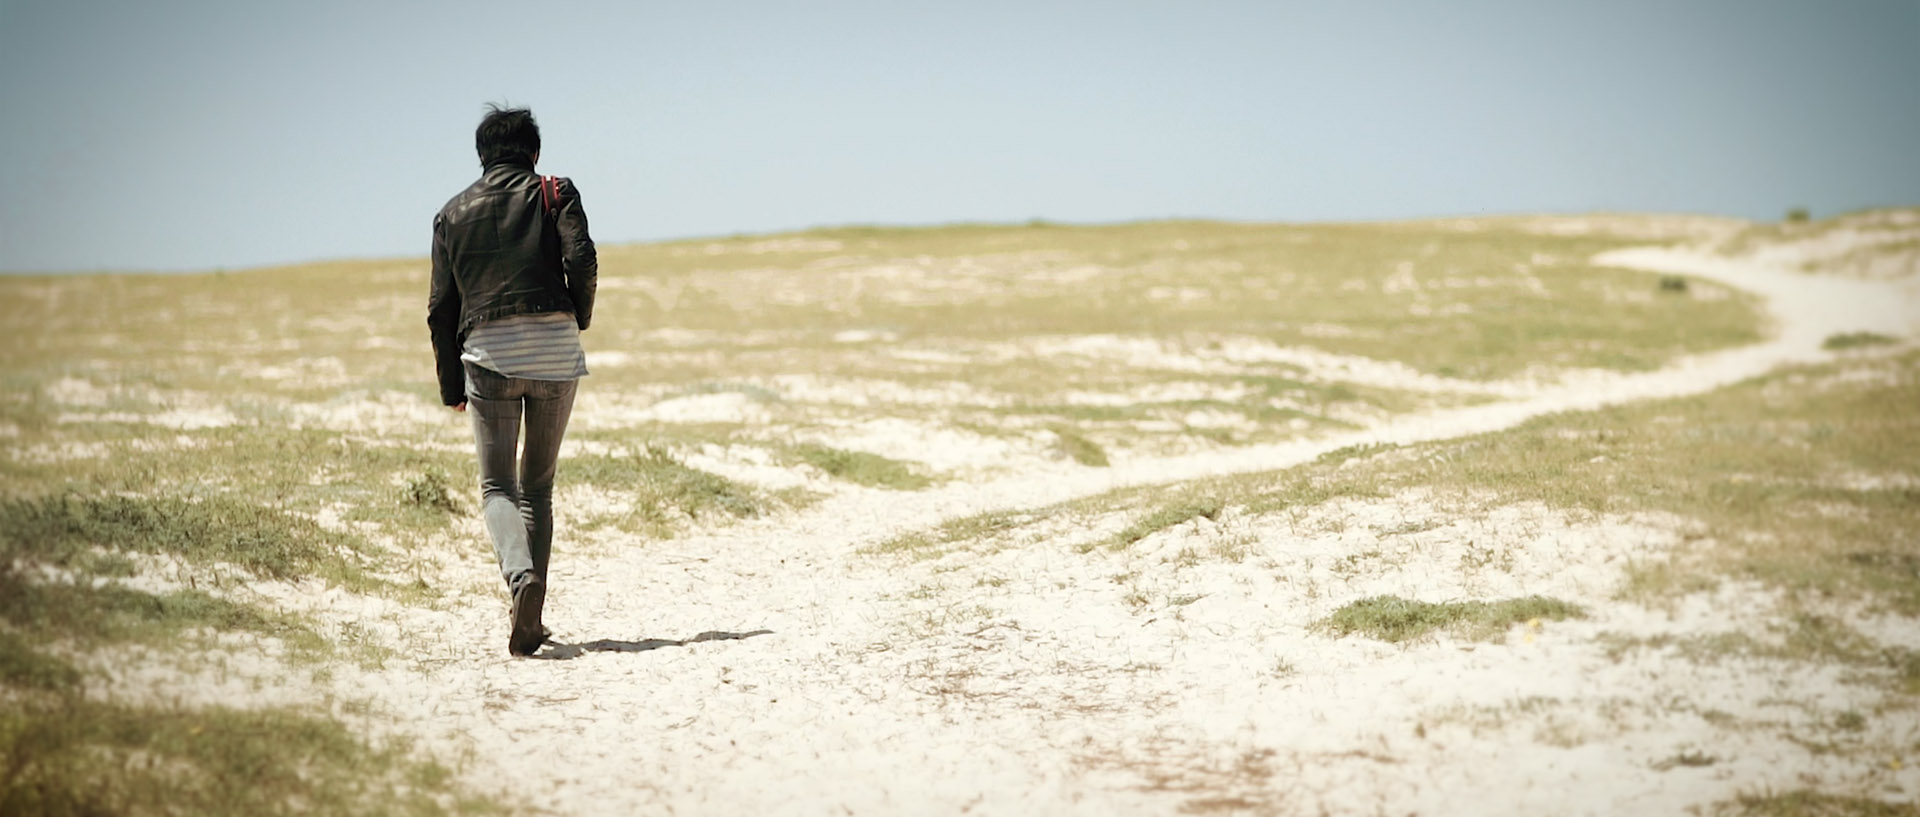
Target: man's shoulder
463 200
565 187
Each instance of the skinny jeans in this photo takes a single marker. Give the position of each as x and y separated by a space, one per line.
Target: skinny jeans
516 481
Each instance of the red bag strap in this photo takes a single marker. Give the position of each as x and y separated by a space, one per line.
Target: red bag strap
549 192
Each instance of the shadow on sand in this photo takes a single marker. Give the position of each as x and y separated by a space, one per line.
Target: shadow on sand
556 651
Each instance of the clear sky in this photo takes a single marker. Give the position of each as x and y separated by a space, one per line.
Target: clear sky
203 133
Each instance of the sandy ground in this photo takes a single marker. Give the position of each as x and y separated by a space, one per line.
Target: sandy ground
773 667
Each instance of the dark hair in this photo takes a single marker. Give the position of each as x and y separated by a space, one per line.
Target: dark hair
506 133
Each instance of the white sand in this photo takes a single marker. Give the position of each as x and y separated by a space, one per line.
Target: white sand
1024 677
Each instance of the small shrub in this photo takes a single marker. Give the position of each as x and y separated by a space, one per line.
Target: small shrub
1798 215
1673 283
428 490
1688 759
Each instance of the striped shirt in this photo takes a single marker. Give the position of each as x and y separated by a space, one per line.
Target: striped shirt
534 346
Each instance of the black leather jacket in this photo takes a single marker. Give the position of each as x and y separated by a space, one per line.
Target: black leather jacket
499 250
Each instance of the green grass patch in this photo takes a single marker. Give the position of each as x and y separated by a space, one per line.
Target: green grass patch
1167 517
1078 448
63 530
91 614
1353 452
72 756
975 528
1857 340
1394 619
862 468
267 465
88 537
21 667
1807 803
667 493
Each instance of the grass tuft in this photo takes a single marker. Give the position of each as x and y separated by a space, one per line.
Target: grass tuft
980 526
1351 452
667 492
1079 448
1394 619
1856 340
1166 518
862 468
429 491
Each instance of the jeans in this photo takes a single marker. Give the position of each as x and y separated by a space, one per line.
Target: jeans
518 508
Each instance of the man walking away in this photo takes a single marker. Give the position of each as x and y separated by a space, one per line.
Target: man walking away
513 283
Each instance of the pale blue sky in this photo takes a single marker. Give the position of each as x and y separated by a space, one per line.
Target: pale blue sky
203 133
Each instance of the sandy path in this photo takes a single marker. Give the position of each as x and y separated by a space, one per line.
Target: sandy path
1014 682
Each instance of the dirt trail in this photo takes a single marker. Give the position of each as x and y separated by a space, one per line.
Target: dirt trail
780 671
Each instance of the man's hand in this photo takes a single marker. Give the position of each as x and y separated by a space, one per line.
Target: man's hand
460 406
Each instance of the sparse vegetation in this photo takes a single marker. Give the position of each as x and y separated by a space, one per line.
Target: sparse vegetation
23 668
975 528
68 755
94 614
861 467
1391 618
1801 638
69 531
71 753
297 471
1876 243
1855 340
1688 759
1078 448
1351 452
1806 803
1167 517
1821 501
666 493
